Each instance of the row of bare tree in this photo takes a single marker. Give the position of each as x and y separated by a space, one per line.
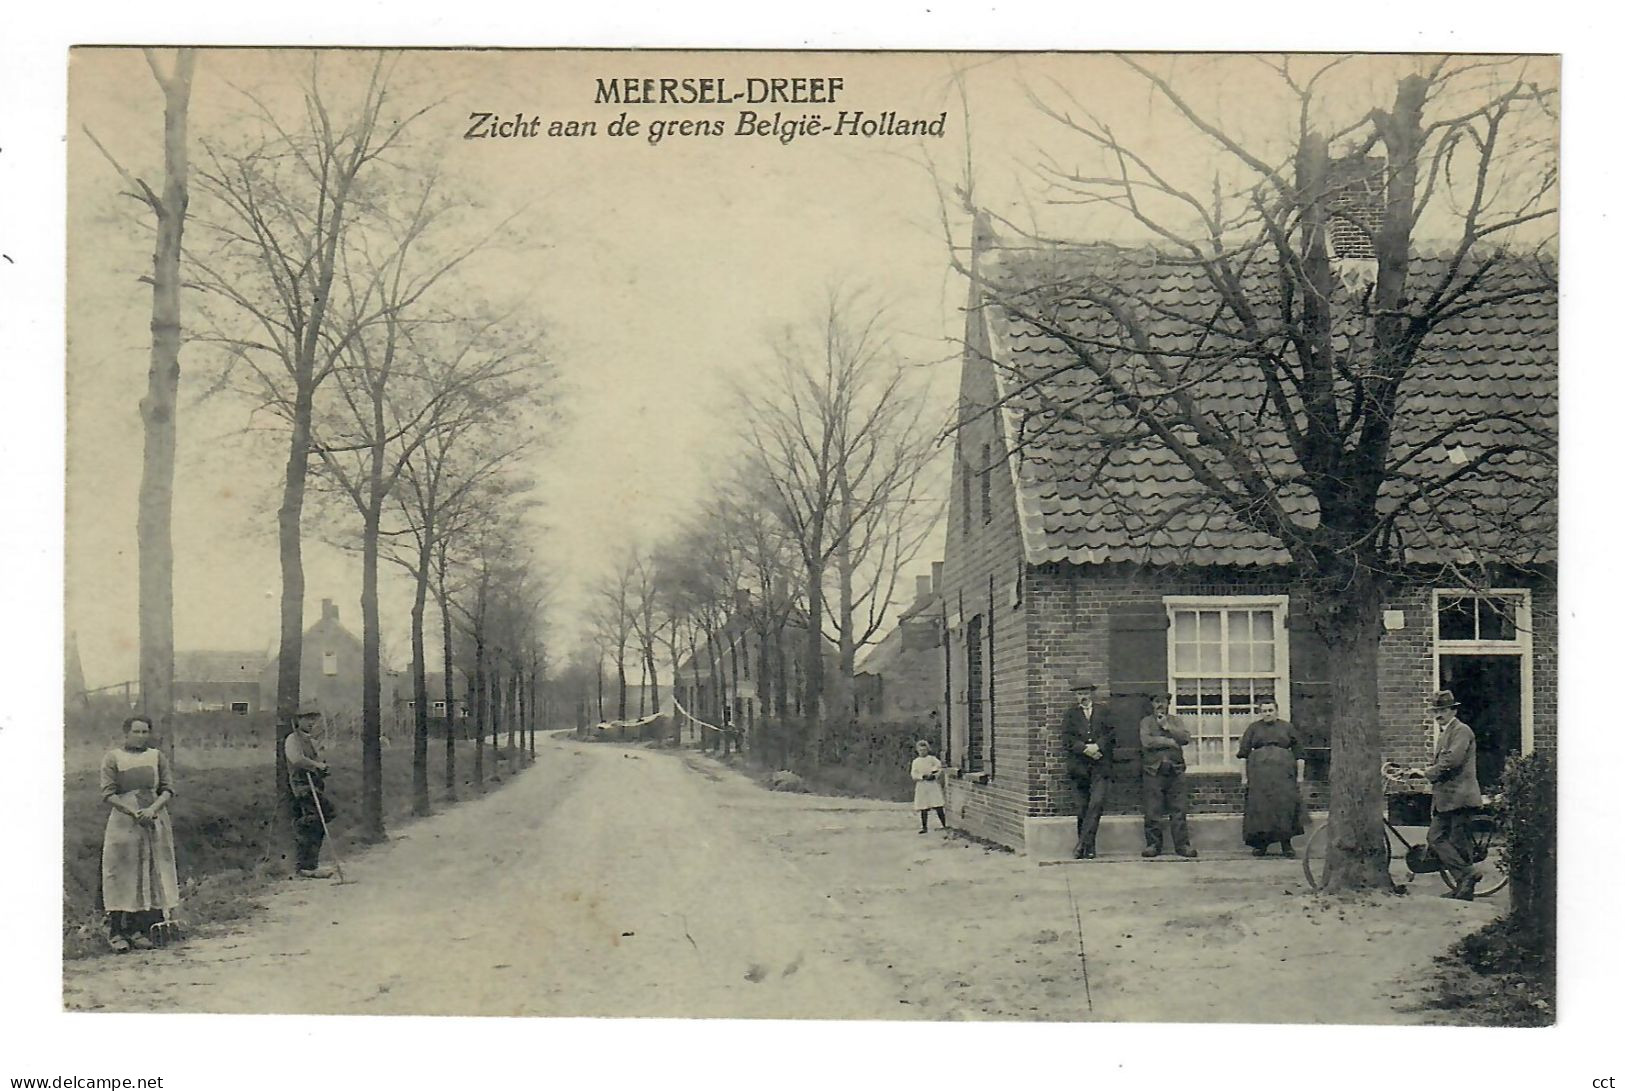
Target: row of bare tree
338 291
798 555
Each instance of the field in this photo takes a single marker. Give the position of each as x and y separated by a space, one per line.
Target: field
229 842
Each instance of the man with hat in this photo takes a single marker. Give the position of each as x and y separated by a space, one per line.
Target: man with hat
1162 739
307 773
1456 798
1086 738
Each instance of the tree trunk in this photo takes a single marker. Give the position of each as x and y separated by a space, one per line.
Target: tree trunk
764 674
846 644
732 720
420 683
531 707
291 645
158 410
450 686
718 696
812 669
514 710
494 680
620 684
372 753
1357 846
479 707
781 680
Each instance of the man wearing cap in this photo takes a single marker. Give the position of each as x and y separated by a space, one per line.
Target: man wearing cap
1454 775
1162 738
307 773
1086 738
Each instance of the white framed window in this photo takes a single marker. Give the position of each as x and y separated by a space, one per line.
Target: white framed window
1483 652
1225 656
330 663
1491 618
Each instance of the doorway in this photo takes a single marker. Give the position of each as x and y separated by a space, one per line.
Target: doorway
1490 689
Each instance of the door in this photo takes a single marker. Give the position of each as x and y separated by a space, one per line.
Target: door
1490 689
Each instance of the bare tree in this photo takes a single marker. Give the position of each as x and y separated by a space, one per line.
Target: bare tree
281 210
484 554
158 409
651 624
838 437
1280 381
443 482
612 617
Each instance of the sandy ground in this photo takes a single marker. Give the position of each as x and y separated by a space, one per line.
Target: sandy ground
611 881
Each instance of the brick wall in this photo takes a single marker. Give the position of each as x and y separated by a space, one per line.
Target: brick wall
1408 679
1543 609
981 567
1065 611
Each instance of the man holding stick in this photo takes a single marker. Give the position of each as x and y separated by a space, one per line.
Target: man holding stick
307 773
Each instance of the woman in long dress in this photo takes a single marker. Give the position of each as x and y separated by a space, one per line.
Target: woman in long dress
1274 756
926 769
138 848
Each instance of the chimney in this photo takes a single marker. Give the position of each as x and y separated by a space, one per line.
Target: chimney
329 611
922 588
936 577
1355 200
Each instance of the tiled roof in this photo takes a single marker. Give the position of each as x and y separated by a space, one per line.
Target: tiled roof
1088 494
213 666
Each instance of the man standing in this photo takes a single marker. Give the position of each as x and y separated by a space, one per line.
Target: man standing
1087 741
1162 737
1454 775
307 774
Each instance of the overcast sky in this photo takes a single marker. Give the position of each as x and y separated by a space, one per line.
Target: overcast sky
661 272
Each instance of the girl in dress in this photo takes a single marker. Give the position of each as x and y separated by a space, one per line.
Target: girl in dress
926 770
138 849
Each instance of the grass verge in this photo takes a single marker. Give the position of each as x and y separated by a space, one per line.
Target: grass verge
230 843
1495 978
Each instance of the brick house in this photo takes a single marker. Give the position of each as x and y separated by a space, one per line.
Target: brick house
902 679
330 669
211 681
1057 565
405 709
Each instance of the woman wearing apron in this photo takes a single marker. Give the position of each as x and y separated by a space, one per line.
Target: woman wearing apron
138 849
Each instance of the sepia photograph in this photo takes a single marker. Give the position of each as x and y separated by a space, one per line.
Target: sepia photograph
1046 537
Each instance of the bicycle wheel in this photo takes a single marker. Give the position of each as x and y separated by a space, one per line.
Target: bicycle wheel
1314 856
1484 837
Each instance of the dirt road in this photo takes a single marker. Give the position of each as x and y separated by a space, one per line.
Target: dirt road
602 882
611 881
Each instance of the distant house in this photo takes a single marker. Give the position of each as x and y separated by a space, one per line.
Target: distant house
214 681
904 676
1062 561
406 704
330 669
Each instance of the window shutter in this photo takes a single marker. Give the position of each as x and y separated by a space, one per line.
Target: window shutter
1311 679
1137 655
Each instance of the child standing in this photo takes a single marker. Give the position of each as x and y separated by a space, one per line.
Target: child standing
927 773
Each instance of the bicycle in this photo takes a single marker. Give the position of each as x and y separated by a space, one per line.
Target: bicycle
1484 838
